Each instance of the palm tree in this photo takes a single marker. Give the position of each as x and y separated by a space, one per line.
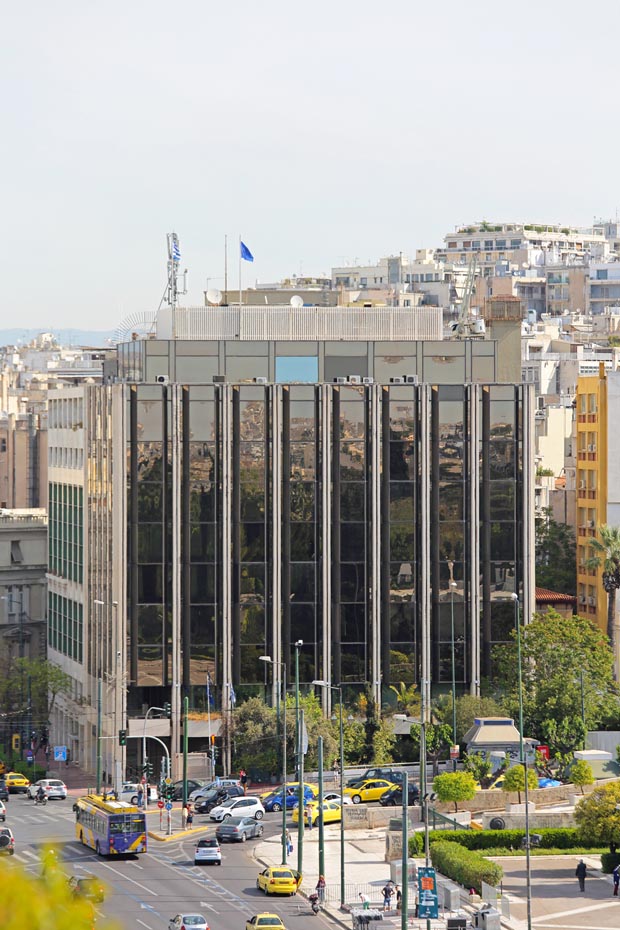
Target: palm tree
407 698
607 556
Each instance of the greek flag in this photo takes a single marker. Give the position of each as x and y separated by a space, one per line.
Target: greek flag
233 696
174 248
246 255
210 698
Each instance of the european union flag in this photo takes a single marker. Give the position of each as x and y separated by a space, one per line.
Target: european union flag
246 255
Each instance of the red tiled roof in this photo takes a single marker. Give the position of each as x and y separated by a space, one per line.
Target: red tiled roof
545 596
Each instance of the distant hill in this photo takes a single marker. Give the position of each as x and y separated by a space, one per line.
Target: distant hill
65 337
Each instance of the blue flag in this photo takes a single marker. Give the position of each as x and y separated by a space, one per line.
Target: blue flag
174 248
246 255
210 698
233 696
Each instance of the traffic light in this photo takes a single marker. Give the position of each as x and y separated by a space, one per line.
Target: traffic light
16 742
147 769
168 710
122 737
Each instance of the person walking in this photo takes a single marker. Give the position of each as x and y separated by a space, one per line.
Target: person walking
289 842
581 872
184 813
320 889
388 892
190 817
616 877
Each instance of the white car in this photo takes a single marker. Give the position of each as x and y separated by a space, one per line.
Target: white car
334 796
189 922
53 787
238 807
208 850
129 792
2 812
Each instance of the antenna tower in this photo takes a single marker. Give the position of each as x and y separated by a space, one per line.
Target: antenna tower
173 290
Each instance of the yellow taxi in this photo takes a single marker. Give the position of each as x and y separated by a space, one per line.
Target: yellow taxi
265 921
278 880
332 812
15 782
370 789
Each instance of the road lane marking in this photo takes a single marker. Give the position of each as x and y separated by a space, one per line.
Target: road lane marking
138 921
28 852
210 906
127 879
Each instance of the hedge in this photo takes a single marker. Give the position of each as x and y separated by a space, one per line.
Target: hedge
609 861
465 866
551 838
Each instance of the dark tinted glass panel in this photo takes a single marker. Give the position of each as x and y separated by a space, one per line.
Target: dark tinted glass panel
302 581
352 420
402 419
252 542
352 579
451 504
150 624
401 581
352 542
353 663
445 661
502 577
445 619
303 622
252 420
252 501
252 584
150 668
399 491
402 539
501 459
303 460
201 502
402 462
202 624
149 503
149 583
402 622
149 542
353 623
149 461
202 462
352 501
302 502
202 419
503 541
352 461
402 663
201 658
202 583
451 540
252 625
251 667
302 542
450 460
502 500
445 577
503 620
302 423
202 542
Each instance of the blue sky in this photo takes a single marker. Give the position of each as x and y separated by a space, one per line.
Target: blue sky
320 132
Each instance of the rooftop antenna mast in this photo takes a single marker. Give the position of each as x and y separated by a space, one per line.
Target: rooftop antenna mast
173 290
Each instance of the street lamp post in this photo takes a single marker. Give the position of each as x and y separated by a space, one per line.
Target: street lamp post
452 587
300 776
320 683
281 665
523 760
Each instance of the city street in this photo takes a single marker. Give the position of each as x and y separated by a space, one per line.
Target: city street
147 891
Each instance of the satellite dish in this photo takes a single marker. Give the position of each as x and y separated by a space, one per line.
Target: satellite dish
214 296
296 301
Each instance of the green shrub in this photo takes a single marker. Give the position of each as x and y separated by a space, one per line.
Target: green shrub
416 844
609 861
465 866
551 838
32 772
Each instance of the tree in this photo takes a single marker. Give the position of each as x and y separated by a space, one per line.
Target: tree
478 766
407 699
607 557
597 815
581 774
514 779
254 733
561 656
555 554
383 742
468 706
455 787
438 741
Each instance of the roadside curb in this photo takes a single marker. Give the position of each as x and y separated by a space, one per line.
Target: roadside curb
180 834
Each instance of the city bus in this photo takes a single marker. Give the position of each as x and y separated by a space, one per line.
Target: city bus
111 828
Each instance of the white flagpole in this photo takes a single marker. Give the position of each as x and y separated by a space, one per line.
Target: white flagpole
240 292
209 724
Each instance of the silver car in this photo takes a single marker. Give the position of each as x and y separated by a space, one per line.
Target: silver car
53 787
188 922
207 850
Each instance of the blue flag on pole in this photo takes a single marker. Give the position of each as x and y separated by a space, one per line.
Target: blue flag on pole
233 696
210 698
246 255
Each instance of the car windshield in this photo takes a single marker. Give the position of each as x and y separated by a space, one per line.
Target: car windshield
228 803
206 844
269 922
56 784
234 821
192 920
281 873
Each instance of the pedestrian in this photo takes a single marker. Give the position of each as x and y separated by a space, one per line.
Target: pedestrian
365 900
243 778
320 888
184 813
140 796
289 842
399 898
190 817
309 817
616 877
580 872
336 769
387 892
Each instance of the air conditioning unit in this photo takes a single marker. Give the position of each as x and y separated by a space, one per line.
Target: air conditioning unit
355 379
340 380
397 380
260 380
411 379
368 380
162 379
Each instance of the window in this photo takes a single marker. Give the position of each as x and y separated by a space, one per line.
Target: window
16 552
452 245
488 243
500 244
515 243
601 274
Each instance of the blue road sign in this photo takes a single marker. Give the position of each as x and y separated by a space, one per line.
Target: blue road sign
29 756
60 753
428 900
168 805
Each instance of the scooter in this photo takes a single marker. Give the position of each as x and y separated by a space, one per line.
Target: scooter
314 903
38 800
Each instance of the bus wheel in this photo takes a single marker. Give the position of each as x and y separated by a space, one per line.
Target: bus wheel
82 838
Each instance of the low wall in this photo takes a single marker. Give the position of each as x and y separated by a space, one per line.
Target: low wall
367 817
515 820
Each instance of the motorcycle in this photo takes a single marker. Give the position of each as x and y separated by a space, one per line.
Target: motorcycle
314 903
40 800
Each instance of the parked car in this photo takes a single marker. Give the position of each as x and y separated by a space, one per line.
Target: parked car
208 850
16 782
86 887
369 789
274 800
394 796
53 787
4 791
238 807
395 776
2 812
238 829
188 922
7 841
205 803
278 880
